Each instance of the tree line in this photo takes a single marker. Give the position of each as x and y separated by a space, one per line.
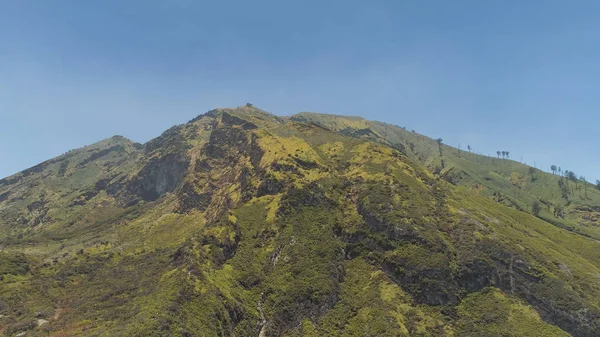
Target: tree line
566 174
504 154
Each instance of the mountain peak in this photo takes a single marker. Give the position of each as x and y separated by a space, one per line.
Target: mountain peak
247 112
120 139
248 108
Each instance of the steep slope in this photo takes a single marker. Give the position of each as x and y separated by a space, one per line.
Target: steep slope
570 204
44 196
241 223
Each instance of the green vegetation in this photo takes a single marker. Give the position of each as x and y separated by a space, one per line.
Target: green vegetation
241 223
491 313
569 202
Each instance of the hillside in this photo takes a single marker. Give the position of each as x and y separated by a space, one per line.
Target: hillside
242 223
573 205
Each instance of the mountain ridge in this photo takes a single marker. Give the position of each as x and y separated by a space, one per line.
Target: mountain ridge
243 223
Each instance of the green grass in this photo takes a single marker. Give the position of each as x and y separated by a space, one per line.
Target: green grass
488 176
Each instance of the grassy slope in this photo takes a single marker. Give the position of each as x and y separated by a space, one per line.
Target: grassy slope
303 232
507 181
49 195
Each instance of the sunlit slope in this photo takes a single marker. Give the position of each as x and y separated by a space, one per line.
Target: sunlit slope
570 204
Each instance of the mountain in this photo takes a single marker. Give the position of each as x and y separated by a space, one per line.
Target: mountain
243 223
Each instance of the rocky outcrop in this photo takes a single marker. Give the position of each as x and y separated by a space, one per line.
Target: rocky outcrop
233 120
157 177
96 154
269 186
190 198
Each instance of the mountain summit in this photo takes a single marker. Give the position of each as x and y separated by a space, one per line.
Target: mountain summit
243 223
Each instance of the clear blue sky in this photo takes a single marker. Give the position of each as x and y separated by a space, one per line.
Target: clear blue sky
518 75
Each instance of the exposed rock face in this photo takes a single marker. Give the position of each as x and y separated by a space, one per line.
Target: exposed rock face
270 186
159 176
172 140
191 199
230 147
227 141
38 211
95 154
236 121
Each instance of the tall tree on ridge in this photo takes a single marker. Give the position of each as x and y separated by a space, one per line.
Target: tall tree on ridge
532 171
571 176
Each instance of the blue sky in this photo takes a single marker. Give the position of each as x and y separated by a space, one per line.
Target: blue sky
521 76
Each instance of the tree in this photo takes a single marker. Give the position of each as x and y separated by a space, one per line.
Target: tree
564 188
498 154
507 154
598 184
532 171
584 182
440 141
469 148
571 176
553 169
559 170
536 207
503 154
